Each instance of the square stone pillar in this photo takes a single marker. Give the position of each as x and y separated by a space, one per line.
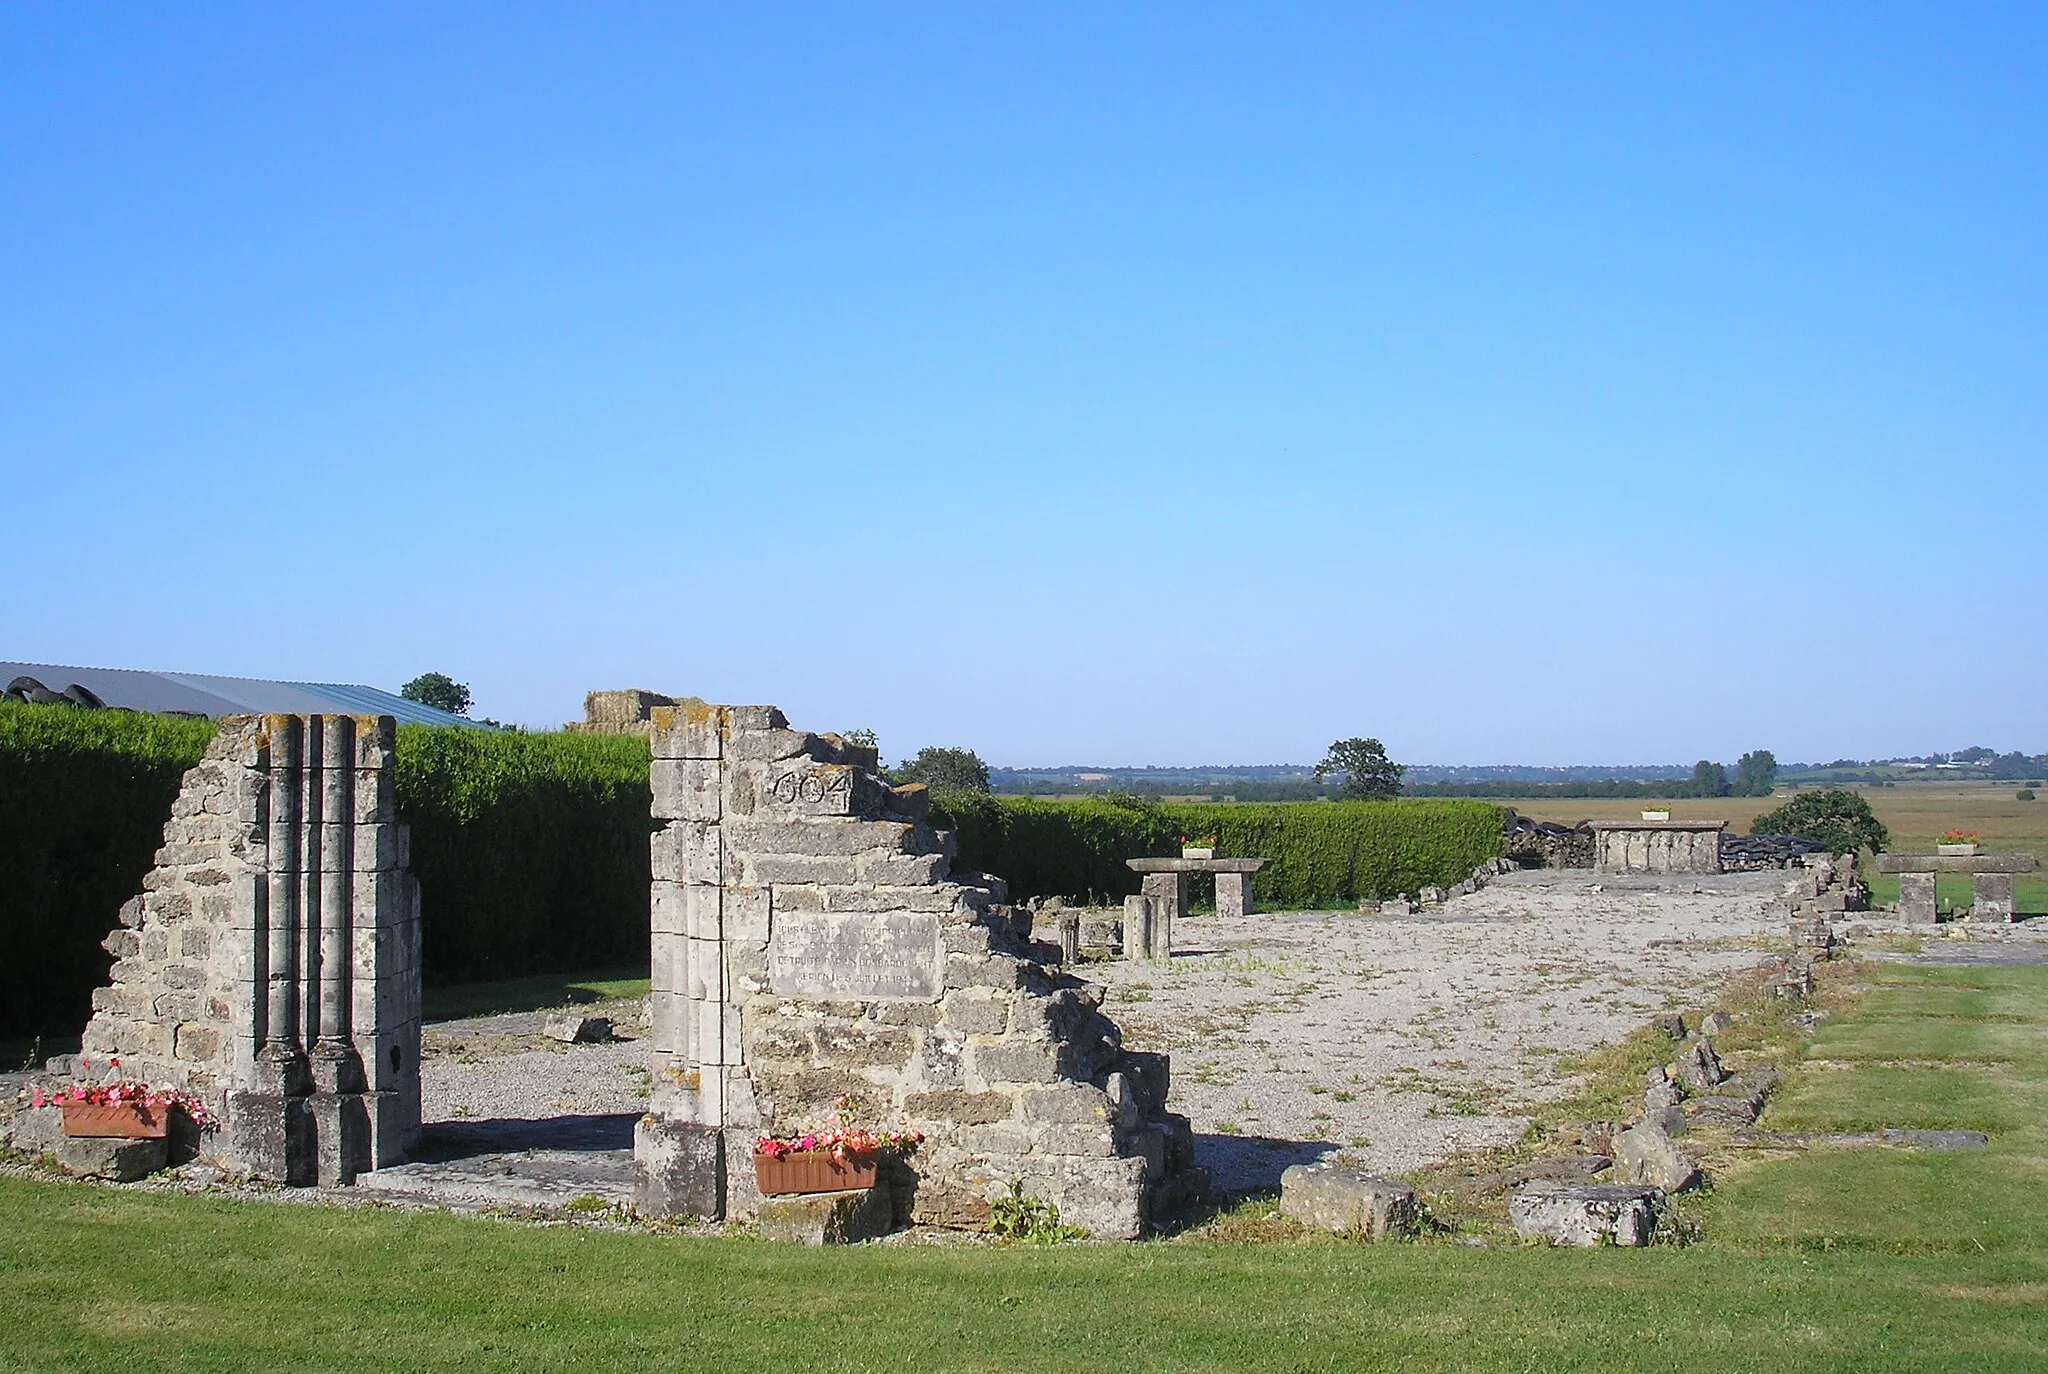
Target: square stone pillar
1169 894
1138 914
1992 897
1916 898
1234 894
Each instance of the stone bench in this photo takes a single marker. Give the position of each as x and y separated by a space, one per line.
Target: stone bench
1991 882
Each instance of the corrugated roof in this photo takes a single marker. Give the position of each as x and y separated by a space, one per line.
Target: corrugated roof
205 694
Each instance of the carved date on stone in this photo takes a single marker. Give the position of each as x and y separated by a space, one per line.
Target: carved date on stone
819 789
852 956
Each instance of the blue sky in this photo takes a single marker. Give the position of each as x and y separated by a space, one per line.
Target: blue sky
1117 384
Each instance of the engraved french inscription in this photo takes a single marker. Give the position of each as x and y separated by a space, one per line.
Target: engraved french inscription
853 956
815 789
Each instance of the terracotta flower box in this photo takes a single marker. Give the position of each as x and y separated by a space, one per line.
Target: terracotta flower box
813 1171
126 1120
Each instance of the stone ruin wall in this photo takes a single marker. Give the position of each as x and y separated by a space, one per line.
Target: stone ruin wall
810 940
270 963
1657 847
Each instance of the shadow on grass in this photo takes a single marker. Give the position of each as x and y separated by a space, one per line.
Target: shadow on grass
458 1001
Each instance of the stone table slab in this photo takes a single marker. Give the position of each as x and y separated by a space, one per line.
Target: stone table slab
1957 863
1196 865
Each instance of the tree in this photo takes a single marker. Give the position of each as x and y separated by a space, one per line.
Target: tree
1709 779
1756 773
439 691
945 770
1369 775
1839 819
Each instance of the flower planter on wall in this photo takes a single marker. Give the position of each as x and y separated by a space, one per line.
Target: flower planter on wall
125 1121
1955 851
1197 852
814 1171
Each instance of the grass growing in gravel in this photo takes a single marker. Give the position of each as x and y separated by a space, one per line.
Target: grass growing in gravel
1824 1260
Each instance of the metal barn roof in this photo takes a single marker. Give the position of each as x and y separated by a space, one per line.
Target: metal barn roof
204 694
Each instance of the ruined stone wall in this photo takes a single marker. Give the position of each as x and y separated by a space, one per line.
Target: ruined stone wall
1657 847
810 940
271 961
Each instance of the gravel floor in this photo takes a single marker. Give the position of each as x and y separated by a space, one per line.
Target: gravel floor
1401 1040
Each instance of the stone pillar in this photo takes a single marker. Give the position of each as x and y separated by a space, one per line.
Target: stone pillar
1916 898
1139 914
1992 897
282 1056
1070 938
1234 894
679 1147
1169 894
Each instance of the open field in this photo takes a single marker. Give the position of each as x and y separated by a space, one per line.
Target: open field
1828 1260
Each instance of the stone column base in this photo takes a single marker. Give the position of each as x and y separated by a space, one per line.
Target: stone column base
341 1136
270 1135
678 1169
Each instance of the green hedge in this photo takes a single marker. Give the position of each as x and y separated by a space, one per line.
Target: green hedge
83 800
1325 854
531 849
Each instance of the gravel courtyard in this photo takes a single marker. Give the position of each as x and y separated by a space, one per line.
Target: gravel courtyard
1396 1039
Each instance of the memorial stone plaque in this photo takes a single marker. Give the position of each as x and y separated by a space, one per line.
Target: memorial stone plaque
855 956
812 789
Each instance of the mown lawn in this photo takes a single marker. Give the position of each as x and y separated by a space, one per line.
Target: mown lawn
1847 1260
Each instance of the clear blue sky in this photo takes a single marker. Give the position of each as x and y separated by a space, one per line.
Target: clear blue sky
1114 384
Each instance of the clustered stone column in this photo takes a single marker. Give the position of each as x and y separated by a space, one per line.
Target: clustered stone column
809 942
1657 846
271 963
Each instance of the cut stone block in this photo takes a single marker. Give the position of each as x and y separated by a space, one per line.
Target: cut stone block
1587 1214
843 1218
123 1161
574 1028
1333 1198
678 1169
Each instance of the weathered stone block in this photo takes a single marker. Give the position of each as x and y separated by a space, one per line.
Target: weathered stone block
684 789
1699 1068
1331 1197
1586 1214
1070 1103
1992 897
123 1161
1017 1061
1234 894
826 1218
1916 898
690 729
270 1135
965 1108
678 1169
574 1028
977 1011
685 852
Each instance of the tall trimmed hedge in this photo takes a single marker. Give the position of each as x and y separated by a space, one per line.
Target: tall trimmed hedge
1324 854
83 800
531 849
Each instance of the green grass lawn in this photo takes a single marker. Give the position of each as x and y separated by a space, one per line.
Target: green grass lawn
545 990
1883 1259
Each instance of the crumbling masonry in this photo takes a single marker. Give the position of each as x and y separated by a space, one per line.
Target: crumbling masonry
809 941
271 962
